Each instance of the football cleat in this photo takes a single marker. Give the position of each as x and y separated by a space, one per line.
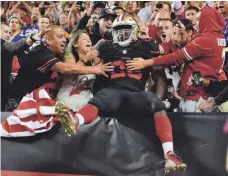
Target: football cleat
173 163
66 118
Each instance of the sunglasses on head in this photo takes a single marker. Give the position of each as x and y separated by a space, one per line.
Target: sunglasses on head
219 7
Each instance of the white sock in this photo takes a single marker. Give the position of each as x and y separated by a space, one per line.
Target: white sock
80 119
167 146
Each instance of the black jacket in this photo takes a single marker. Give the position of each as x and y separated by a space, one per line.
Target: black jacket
8 51
94 32
221 87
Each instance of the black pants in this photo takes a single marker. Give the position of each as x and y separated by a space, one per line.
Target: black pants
112 102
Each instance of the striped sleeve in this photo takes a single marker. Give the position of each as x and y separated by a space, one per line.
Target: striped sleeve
46 67
195 49
191 51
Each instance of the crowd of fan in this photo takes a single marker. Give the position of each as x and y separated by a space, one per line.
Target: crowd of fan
170 24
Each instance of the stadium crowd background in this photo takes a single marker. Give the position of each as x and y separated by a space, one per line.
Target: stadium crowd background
168 23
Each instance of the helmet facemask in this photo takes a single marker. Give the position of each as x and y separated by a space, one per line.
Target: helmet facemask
124 34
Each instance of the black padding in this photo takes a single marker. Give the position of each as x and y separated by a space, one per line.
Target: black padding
124 146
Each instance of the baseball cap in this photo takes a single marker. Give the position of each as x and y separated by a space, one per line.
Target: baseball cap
107 12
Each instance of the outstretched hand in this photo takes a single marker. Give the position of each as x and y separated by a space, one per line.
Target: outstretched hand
100 69
136 64
90 8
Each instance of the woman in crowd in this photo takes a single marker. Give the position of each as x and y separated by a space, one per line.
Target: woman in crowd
76 90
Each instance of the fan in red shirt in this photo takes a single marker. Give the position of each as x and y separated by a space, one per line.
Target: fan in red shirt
203 54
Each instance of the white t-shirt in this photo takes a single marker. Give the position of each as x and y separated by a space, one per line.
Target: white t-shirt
174 75
76 90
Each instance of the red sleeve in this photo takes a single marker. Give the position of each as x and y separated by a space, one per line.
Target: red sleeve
196 48
166 47
191 51
154 33
26 19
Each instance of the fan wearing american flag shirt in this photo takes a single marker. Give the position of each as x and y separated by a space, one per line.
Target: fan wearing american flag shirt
33 87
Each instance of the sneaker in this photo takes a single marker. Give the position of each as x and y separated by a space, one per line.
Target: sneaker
173 163
66 118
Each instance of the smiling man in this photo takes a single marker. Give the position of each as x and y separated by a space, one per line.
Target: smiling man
42 62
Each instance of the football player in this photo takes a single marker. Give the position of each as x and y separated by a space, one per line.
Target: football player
122 93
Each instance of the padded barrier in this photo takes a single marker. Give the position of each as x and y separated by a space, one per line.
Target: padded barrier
123 146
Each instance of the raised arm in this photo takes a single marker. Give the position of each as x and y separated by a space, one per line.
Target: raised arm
14 9
74 15
27 7
85 18
24 43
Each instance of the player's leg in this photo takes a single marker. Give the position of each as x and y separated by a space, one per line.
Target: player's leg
164 132
105 101
148 103
153 105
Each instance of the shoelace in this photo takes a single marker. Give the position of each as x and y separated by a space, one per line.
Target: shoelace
174 158
71 116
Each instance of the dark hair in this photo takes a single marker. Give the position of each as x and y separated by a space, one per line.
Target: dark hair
170 7
173 16
192 8
187 23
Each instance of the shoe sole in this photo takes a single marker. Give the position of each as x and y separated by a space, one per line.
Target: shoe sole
180 168
66 121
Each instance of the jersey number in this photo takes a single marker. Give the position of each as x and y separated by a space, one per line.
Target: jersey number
121 71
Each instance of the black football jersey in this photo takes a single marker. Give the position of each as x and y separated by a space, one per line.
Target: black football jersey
121 76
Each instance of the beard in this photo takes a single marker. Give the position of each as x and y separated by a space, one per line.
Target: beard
35 21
